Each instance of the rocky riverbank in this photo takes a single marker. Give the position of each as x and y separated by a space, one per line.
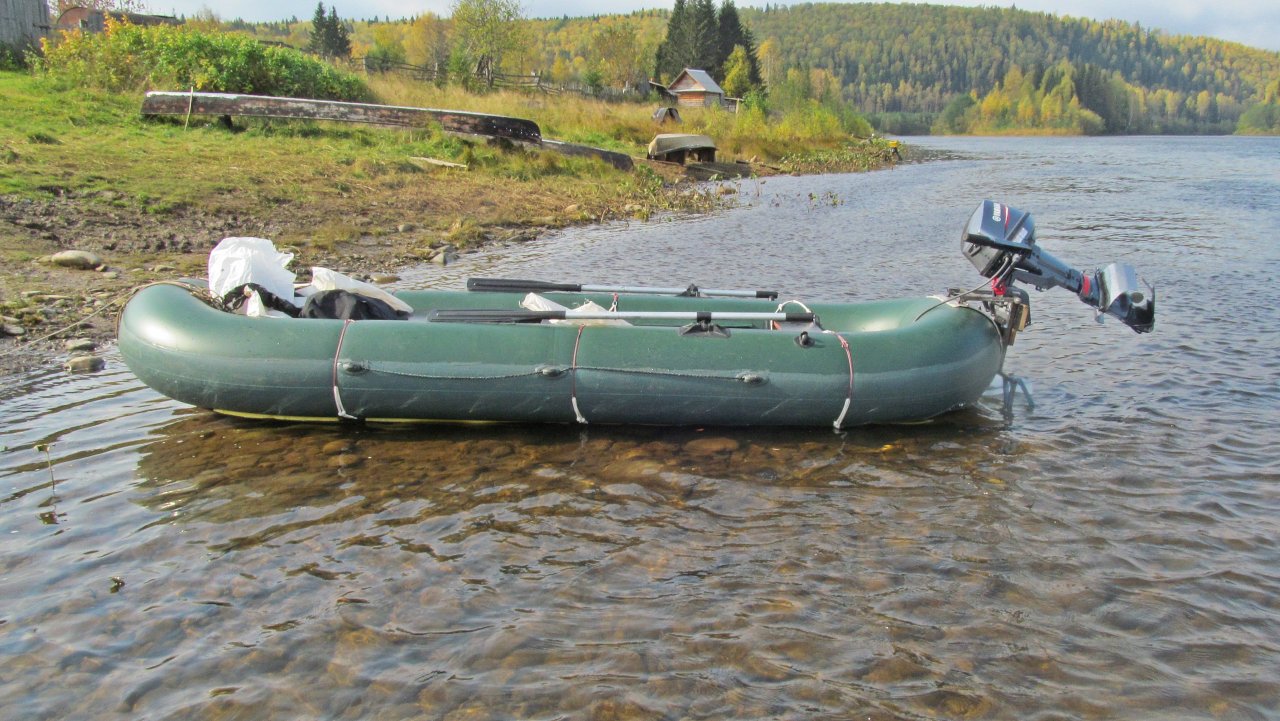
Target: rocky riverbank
74 258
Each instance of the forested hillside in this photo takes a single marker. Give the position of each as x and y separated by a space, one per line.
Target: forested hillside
916 57
917 67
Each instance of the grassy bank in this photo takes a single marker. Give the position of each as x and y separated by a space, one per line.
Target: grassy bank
80 169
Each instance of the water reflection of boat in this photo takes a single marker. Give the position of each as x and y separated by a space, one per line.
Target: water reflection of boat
681 359
188 473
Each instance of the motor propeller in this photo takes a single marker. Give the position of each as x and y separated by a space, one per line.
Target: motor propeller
1000 242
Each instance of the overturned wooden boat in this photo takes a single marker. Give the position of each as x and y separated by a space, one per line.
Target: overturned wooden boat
464 122
682 147
666 356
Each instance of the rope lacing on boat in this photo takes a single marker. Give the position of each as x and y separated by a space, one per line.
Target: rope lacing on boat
848 354
337 397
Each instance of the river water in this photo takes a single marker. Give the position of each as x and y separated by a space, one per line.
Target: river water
1111 553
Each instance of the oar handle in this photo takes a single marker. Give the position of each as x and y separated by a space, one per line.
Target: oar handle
513 285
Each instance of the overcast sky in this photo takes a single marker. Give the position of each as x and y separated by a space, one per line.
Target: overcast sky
1252 22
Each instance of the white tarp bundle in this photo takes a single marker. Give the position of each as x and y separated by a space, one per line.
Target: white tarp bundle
235 262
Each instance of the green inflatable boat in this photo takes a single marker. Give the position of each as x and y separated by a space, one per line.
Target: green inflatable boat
631 356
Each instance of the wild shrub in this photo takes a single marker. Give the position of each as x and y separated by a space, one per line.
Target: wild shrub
130 57
10 58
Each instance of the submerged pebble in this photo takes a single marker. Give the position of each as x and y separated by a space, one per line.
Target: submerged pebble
85 364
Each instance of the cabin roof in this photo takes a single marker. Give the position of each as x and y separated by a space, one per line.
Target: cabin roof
700 81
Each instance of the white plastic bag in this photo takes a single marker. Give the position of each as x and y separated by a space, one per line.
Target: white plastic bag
533 301
325 279
236 261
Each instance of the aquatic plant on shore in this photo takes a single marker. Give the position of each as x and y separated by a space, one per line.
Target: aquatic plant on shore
857 155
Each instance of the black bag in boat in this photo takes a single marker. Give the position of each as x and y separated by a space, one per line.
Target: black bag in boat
345 305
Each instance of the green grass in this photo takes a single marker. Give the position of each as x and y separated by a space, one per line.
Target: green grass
89 141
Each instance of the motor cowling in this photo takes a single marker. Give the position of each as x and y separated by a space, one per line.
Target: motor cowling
1000 242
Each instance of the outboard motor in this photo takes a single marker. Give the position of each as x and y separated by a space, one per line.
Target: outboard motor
1000 241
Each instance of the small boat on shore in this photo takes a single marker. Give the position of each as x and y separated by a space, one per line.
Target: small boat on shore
682 147
594 354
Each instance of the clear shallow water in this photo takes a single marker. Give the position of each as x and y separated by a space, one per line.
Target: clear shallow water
1113 553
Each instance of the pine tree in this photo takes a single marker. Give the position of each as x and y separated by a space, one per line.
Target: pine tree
319 32
703 29
337 35
675 51
730 34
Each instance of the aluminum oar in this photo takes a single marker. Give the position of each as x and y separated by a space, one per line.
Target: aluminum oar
512 285
488 315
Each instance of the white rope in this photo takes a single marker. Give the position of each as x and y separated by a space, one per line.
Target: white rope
337 397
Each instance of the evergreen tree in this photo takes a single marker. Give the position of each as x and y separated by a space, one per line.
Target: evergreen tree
703 29
339 40
319 32
730 34
675 53
329 35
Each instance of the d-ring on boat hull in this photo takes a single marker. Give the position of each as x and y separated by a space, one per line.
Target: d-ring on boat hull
876 362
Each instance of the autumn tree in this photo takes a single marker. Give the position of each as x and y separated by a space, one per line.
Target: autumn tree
427 43
388 49
617 50
737 77
487 30
769 56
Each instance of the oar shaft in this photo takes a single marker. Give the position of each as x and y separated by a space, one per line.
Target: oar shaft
486 315
513 285
685 315
652 290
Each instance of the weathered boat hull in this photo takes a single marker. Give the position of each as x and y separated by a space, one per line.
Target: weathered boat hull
894 364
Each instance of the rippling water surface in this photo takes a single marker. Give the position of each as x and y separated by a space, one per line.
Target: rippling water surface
1113 553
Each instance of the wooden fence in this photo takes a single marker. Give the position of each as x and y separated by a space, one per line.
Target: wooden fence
532 82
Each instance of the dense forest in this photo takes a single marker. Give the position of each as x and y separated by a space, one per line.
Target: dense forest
911 68
919 58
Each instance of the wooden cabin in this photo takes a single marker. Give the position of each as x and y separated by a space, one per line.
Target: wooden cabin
695 88
22 23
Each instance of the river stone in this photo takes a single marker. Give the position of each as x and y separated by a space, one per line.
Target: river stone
711 446
383 278
81 344
346 460
14 329
333 448
81 259
86 364
444 257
